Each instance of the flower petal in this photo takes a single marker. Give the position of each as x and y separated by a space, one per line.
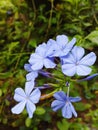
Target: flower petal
38 65
36 62
74 99
71 44
66 111
68 59
62 40
27 67
29 87
32 75
69 69
19 94
50 48
78 52
60 96
35 96
88 59
34 58
83 70
41 49
17 109
73 110
49 63
30 107
56 105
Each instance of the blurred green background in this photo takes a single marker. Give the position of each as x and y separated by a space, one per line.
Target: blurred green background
23 25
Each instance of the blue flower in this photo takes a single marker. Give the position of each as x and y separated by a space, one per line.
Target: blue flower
75 63
32 73
61 46
41 57
26 98
88 77
63 102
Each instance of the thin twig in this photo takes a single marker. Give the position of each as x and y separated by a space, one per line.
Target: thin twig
50 18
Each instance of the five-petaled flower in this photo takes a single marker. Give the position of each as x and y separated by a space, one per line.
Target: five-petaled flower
63 102
75 63
33 74
26 98
72 62
61 46
41 57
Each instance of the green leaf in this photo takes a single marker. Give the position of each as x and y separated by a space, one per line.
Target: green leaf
28 122
12 46
93 37
33 42
40 111
78 126
64 125
81 106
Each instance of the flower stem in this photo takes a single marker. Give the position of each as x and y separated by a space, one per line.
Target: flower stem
46 96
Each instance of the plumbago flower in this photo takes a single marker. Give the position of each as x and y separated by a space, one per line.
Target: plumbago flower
63 102
61 46
72 62
41 57
26 98
75 63
33 74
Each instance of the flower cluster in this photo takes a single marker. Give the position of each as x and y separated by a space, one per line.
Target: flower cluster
46 56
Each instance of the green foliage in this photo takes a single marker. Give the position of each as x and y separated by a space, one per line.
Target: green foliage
40 111
64 125
23 25
93 37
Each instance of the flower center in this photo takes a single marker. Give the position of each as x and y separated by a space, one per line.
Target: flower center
27 97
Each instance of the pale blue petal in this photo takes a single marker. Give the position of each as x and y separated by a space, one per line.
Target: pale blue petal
56 105
27 67
64 52
73 110
60 95
50 48
68 47
19 94
68 59
69 69
49 63
38 65
88 59
52 43
78 52
32 75
17 109
62 40
30 107
83 70
74 99
41 49
71 44
54 47
36 62
29 87
66 111
58 53
34 58
35 96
